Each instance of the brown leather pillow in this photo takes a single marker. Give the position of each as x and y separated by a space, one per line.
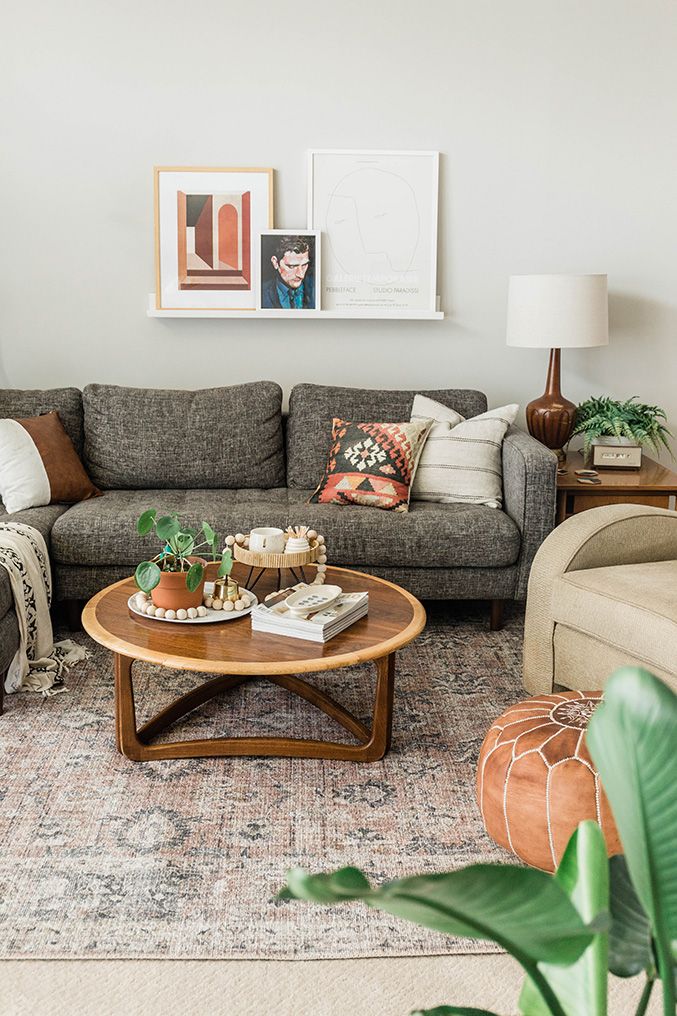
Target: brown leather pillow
39 464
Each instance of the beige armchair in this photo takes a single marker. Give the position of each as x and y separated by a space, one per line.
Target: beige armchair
603 594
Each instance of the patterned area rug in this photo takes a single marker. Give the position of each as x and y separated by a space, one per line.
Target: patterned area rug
106 858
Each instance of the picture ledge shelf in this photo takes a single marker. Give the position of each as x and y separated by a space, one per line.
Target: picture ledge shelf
377 313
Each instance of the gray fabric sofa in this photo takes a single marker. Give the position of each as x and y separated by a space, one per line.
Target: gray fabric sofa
229 456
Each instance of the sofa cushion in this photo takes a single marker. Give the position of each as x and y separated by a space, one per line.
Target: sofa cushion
312 409
103 531
427 536
16 403
631 606
42 518
221 438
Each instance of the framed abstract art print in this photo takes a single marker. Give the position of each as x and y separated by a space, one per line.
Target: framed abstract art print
207 224
377 212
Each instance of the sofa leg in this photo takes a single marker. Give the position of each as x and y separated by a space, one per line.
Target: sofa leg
496 617
73 609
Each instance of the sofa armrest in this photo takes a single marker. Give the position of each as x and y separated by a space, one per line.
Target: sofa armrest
529 496
598 538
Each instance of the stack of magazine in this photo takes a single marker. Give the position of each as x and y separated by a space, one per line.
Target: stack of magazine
276 618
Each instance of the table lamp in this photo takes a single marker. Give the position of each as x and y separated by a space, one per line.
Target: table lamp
556 312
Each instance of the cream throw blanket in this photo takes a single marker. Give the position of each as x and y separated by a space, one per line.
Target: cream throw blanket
39 664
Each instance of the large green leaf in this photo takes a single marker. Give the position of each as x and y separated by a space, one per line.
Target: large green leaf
146 521
147 576
522 909
632 738
194 576
630 932
583 873
167 527
209 534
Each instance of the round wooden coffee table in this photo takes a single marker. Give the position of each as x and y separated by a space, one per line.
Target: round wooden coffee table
236 654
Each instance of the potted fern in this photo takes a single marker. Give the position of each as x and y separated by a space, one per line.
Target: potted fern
608 425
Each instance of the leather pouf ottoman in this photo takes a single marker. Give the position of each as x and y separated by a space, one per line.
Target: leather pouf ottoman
536 780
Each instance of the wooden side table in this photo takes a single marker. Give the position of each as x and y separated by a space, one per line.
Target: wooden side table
653 484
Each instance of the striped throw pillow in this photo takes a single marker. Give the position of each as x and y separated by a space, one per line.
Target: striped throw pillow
461 461
39 464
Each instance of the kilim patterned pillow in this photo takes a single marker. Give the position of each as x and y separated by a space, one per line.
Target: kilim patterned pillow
372 464
39 464
462 460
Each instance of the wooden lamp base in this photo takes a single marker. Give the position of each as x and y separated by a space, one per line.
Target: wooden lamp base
550 418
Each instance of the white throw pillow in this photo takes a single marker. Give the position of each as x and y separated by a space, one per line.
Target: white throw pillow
461 461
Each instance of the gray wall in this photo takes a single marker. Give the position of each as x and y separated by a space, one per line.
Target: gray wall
556 120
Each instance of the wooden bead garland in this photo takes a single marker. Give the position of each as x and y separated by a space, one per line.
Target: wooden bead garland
145 605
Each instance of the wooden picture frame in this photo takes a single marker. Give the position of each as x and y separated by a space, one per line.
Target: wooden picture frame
207 224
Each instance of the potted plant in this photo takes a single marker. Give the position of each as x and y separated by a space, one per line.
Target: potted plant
605 422
175 577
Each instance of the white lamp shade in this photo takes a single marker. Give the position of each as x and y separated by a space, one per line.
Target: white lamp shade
558 311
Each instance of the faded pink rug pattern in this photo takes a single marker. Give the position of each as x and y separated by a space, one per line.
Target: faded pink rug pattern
105 858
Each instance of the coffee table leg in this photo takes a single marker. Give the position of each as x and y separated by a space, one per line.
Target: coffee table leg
382 723
125 714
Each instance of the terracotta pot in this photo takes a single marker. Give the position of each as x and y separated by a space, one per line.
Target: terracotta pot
172 593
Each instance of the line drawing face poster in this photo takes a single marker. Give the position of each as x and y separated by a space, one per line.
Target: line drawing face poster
377 212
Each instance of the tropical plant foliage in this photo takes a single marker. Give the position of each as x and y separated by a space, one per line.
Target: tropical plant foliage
180 544
559 928
637 421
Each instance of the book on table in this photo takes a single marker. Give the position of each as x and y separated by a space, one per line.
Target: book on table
276 618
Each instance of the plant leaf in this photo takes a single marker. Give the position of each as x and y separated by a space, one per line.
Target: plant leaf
146 522
183 543
210 535
226 566
630 933
167 527
147 576
632 737
194 576
522 909
583 873
453 1010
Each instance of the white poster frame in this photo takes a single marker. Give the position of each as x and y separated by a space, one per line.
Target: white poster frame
412 191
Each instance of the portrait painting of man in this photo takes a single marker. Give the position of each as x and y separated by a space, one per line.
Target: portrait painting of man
289 270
